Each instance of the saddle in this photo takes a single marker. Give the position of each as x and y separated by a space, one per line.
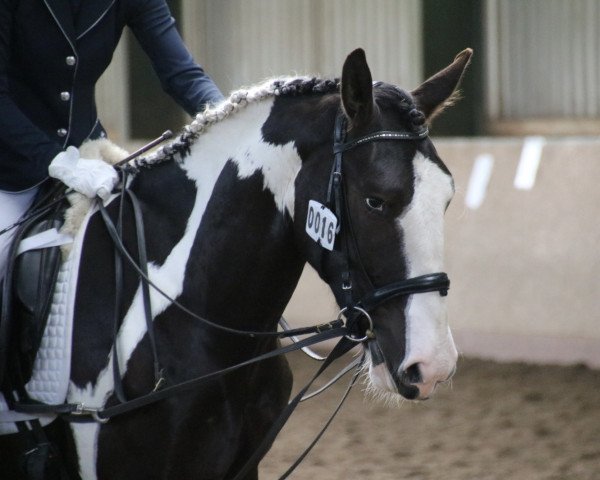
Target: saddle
30 279
28 288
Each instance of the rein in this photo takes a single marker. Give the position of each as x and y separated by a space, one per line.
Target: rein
79 412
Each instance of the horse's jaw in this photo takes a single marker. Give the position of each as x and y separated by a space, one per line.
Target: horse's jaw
379 383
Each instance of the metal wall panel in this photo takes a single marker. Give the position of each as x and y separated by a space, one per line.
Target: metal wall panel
241 42
388 30
112 95
543 59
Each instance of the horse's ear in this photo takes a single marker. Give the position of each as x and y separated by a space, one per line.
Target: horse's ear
357 88
436 93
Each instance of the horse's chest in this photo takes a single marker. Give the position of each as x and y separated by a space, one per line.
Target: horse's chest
198 435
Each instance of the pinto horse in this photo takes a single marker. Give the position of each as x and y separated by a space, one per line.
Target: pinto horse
225 209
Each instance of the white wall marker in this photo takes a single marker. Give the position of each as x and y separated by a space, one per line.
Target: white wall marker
529 162
479 180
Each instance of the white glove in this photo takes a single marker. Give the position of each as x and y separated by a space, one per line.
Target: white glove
88 176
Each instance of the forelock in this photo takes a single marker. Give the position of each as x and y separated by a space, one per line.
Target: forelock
390 97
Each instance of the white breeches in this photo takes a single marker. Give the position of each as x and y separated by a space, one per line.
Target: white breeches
12 207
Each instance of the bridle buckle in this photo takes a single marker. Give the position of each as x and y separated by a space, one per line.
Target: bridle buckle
369 332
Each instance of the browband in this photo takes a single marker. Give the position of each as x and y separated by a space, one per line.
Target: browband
380 135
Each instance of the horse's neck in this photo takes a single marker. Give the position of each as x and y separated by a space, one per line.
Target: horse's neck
242 214
238 140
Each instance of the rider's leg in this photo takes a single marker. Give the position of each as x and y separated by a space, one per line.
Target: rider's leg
12 207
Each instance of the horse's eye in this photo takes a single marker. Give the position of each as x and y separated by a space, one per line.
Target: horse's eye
375 203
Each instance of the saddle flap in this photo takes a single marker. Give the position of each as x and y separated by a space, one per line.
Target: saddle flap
35 275
28 289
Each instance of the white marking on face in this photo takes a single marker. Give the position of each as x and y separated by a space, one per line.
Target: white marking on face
429 342
237 139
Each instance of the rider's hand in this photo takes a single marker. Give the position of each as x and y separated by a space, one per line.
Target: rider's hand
90 177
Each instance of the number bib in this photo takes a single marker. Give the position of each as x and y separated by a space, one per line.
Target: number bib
321 224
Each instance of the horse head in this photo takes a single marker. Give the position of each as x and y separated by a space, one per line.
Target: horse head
393 193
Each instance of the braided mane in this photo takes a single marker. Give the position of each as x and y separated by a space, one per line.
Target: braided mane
282 86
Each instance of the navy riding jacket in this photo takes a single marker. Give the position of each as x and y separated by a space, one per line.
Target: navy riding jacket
51 61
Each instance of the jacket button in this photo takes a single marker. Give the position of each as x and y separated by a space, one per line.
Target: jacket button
70 60
65 96
61 132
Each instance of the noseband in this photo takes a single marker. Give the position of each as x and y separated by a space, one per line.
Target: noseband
336 201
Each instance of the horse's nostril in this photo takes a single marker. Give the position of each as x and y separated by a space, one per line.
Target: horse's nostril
413 374
407 380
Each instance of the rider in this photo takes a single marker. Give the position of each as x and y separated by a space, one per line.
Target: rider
51 56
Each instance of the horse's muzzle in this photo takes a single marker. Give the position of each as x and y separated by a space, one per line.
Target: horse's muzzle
416 383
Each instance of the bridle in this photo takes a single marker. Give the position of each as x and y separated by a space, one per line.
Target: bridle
349 333
337 202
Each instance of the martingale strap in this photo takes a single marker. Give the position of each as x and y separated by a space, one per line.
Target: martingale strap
343 346
308 449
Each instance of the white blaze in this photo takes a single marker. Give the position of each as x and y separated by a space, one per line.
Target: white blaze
429 342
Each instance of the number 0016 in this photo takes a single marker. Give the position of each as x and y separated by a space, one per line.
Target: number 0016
321 224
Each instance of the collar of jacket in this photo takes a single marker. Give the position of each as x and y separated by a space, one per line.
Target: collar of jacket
90 14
